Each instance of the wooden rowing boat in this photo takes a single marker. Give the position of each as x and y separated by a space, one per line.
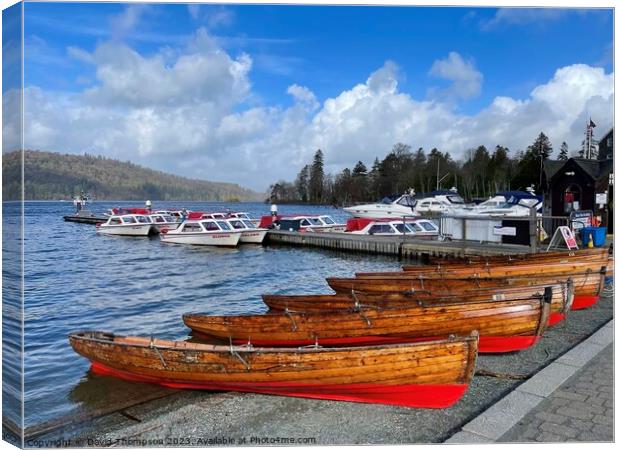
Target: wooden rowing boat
503 325
415 285
585 296
432 374
587 254
493 271
562 295
588 286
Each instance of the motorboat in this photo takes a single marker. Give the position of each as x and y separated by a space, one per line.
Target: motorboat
195 215
163 222
441 202
202 232
393 227
126 225
121 211
302 223
391 206
175 213
333 226
509 203
250 233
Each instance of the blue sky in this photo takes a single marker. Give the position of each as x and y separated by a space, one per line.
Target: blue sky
457 61
331 48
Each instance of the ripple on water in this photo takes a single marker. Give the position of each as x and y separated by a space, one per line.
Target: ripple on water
78 280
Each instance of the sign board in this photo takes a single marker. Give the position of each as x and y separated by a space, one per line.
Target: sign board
601 199
580 219
563 234
504 231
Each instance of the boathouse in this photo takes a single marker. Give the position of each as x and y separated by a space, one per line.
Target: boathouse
580 184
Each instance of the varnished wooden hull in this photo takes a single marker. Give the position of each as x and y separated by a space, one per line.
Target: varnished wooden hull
503 326
432 374
588 286
577 255
414 285
586 293
567 268
562 295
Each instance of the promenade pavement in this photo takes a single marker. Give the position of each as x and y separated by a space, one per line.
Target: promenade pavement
571 400
581 409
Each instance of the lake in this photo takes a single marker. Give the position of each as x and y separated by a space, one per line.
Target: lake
77 280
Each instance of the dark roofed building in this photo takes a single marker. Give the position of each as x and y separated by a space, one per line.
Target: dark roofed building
606 146
573 184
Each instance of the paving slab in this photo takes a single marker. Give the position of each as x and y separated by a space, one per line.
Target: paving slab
546 387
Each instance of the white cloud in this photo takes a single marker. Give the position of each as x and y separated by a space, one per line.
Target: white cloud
194 10
203 74
466 79
213 16
80 55
303 95
523 16
123 23
186 111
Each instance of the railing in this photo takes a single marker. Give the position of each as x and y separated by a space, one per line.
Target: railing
532 230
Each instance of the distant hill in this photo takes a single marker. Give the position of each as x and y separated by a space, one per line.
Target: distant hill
56 176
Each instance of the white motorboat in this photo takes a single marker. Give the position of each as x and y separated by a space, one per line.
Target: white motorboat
202 232
391 206
510 204
302 223
422 228
250 234
331 225
163 222
441 202
126 225
174 213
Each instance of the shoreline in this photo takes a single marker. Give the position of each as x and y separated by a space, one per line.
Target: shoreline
189 417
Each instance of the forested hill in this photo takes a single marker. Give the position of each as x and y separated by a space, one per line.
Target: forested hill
55 176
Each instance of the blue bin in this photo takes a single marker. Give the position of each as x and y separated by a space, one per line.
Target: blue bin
599 234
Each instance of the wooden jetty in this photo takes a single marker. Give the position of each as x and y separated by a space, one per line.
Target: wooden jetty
406 247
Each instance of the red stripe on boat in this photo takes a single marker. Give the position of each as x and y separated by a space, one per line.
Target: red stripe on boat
410 395
502 344
584 301
487 344
555 318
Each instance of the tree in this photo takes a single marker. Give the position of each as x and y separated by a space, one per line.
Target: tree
373 181
301 183
282 191
530 165
343 187
360 183
563 152
541 147
500 169
317 177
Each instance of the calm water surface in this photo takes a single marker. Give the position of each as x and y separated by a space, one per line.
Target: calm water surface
77 280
